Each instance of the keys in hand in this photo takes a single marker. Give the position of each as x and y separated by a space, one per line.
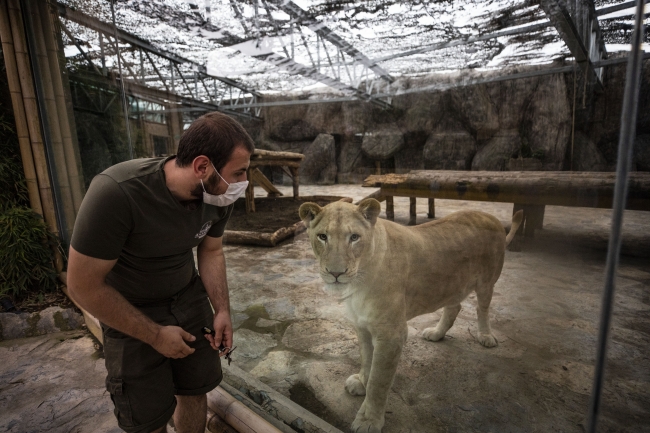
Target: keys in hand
222 348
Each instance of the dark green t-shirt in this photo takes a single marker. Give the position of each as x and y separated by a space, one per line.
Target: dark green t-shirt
128 214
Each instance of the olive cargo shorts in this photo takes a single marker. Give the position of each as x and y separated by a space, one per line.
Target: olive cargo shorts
142 382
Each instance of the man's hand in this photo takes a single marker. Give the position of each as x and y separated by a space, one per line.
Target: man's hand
170 342
222 331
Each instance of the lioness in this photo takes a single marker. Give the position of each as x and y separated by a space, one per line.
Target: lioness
388 274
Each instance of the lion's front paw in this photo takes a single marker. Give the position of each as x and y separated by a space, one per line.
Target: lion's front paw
363 424
354 386
487 340
433 334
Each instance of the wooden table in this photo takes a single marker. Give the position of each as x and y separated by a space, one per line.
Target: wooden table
259 158
528 190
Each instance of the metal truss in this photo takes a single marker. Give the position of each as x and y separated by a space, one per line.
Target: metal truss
332 60
577 24
145 64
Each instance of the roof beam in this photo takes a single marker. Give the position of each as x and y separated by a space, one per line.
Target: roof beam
462 83
618 7
506 32
581 33
108 29
296 68
302 18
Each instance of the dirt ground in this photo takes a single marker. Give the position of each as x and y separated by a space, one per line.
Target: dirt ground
271 214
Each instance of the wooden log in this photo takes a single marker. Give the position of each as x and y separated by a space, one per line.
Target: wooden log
216 424
274 163
262 239
432 208
265 183
534 188
295 180
271 154
19 112
250 192
412 211
390 208
236 414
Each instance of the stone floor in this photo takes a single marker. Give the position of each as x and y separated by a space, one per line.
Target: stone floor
545 313
294 337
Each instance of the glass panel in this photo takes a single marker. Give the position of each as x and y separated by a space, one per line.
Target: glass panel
468 137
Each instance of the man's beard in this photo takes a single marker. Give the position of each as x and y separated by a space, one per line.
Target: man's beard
210 185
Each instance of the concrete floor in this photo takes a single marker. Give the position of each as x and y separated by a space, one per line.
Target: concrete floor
545 312
293 336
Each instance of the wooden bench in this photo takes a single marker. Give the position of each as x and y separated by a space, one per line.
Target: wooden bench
286 160
528 190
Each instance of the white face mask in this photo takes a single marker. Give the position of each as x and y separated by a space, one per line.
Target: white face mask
234 191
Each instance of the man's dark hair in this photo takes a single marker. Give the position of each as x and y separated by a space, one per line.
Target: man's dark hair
214 135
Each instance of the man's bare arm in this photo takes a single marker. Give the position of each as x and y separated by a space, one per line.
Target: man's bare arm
87 285
212 267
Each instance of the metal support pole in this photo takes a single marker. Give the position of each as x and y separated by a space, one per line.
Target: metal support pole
119 67
625 146
171 67
141 66
102 53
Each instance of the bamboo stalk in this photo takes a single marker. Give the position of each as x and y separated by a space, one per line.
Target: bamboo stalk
70 150
216 424
19 111
236 414
54 17
33 121
53 119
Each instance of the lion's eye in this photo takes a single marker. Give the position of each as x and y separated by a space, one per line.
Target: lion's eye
354 238
322 237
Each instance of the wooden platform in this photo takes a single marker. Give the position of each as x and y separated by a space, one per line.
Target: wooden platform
289 161
528 190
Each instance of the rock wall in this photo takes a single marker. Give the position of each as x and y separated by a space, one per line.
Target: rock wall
496 126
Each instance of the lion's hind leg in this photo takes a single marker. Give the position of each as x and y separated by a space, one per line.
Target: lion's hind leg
449 314
485 336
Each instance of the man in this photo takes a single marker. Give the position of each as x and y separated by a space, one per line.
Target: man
131 265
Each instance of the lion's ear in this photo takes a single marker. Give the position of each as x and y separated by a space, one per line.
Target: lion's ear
308 212
370 209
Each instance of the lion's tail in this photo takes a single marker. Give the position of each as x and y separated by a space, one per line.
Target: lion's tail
517 219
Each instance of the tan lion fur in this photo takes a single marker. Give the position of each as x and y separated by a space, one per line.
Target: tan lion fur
393 273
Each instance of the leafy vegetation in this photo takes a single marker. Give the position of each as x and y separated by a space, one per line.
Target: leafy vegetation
26 245
26 253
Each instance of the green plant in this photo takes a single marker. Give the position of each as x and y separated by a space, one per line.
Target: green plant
13 190
26 253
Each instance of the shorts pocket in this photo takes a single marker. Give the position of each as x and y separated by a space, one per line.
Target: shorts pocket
121 401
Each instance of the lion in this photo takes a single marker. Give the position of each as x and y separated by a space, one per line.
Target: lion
388 273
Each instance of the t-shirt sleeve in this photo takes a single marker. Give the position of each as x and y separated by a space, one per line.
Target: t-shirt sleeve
217 229
104 220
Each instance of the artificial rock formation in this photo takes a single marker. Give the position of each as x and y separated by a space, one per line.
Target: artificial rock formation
319 165
530 120
495 155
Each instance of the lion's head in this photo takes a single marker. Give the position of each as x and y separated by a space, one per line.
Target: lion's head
341 234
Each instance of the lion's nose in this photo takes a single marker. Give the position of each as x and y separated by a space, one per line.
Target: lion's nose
336 274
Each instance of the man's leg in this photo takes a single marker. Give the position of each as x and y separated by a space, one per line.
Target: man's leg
191 413
162 429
